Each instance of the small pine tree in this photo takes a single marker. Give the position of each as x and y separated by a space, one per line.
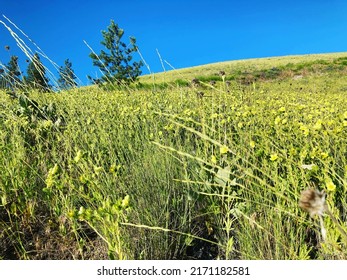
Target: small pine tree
10 76
116 65
36 75
2 80
67 76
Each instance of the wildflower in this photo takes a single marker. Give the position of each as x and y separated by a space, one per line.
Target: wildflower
187 112
282 109
345 115
313 201
324 155
252 144
125 201
273 157
47 124
78 156
240 125
223 150
304 129
49 181
50 176
277 120
330 185
97 169
318 125
330 122
112 168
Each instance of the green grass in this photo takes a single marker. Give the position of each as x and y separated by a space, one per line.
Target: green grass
158 171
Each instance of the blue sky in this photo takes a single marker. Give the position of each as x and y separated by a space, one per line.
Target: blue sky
186 33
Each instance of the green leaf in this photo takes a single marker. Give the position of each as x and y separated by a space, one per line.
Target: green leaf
222 176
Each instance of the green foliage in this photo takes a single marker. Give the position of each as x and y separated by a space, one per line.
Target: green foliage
36 75
10 76
116 65
67 76
181 83
33 112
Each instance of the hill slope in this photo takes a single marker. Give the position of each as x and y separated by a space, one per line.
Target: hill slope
287 65
183 171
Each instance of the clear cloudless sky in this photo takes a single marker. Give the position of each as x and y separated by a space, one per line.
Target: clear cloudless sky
186 33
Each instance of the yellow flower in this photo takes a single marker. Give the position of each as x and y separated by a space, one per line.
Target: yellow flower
324 155
344 123
213 159
240 125
47 124
330 186
78 156
345 115
223 150
125 201
282 109
273 157
112 168
318 125
304 129
277 120
252 144
97 169
51 176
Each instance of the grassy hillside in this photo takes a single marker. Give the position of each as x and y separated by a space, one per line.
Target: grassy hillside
175 169
256 68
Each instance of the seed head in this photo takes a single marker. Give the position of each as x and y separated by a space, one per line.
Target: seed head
212 83
195 82
313 201
200 94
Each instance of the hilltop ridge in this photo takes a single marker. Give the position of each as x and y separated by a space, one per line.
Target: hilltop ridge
268 67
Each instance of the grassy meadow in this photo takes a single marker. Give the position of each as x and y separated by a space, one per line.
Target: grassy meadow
175 169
